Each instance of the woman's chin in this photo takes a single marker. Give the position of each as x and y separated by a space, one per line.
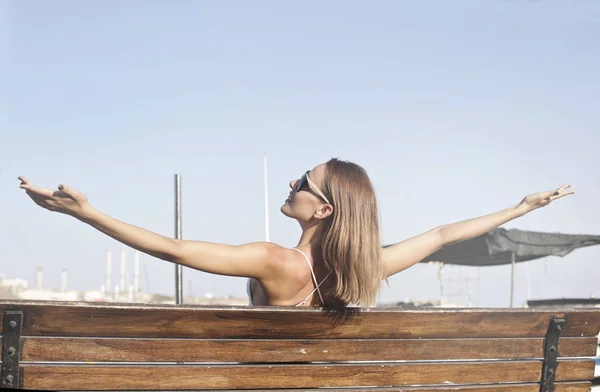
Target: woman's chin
285 210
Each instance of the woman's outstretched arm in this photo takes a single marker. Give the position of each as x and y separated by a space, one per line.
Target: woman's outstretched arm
257 260
405 254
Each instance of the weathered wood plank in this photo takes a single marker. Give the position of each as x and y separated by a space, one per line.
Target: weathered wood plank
575 370
279 350
82 319
560 387
572 387
94 377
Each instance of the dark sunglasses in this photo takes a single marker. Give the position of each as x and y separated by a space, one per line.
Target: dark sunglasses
305 183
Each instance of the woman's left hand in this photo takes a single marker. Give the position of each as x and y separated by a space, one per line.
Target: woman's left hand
64 200
541 199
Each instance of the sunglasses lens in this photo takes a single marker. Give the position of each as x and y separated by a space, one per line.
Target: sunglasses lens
301 183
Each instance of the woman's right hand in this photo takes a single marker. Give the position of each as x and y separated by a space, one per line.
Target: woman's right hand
64 200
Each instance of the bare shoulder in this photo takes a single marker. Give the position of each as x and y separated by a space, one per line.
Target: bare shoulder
287 265
287 275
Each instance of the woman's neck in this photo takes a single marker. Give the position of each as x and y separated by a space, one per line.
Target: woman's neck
311 240
310 237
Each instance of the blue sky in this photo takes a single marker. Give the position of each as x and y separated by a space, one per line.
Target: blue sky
456 109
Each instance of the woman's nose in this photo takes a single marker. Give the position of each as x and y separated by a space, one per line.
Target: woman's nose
293 183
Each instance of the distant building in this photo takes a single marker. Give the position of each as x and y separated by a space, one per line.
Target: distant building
11 288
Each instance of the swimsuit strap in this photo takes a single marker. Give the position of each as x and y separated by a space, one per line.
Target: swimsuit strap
314 279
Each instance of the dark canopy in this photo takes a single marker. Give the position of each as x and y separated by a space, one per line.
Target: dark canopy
496 246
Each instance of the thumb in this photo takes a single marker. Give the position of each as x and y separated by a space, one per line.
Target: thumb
65 189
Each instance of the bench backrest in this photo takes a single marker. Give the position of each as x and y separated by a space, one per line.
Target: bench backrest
83 346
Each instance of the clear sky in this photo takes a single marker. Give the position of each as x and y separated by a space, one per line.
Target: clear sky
455 108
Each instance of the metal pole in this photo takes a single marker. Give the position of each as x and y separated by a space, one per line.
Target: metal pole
178 267
528 281
478 286
512 279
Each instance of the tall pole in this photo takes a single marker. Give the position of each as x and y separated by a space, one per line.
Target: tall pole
512 279
136 275
38 278
528 281
266 202
108 270
122 286
178 267
63 281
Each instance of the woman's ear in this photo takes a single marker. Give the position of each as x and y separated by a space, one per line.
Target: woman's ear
324 211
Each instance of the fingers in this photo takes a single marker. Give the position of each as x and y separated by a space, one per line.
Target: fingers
37 190
33 189
545 198
549 194
24 182
562 192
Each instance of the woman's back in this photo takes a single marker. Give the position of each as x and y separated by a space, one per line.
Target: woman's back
316 281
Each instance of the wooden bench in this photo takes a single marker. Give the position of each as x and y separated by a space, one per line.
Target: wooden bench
83 346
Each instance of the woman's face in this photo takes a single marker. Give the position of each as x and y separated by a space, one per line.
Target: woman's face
304 203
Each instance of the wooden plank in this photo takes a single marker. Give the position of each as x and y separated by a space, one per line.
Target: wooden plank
83 319
577 347
531 387
132 377
280 376
95 377
167 377
299 376
580 370
280 350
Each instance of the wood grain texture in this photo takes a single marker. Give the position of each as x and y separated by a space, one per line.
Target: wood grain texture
280 350
560 387
83 319
93 377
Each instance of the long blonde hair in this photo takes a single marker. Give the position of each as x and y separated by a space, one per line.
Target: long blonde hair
351 240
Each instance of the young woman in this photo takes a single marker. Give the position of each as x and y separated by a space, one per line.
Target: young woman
339 255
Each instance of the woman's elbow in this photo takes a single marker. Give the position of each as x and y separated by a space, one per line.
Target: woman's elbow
173 250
